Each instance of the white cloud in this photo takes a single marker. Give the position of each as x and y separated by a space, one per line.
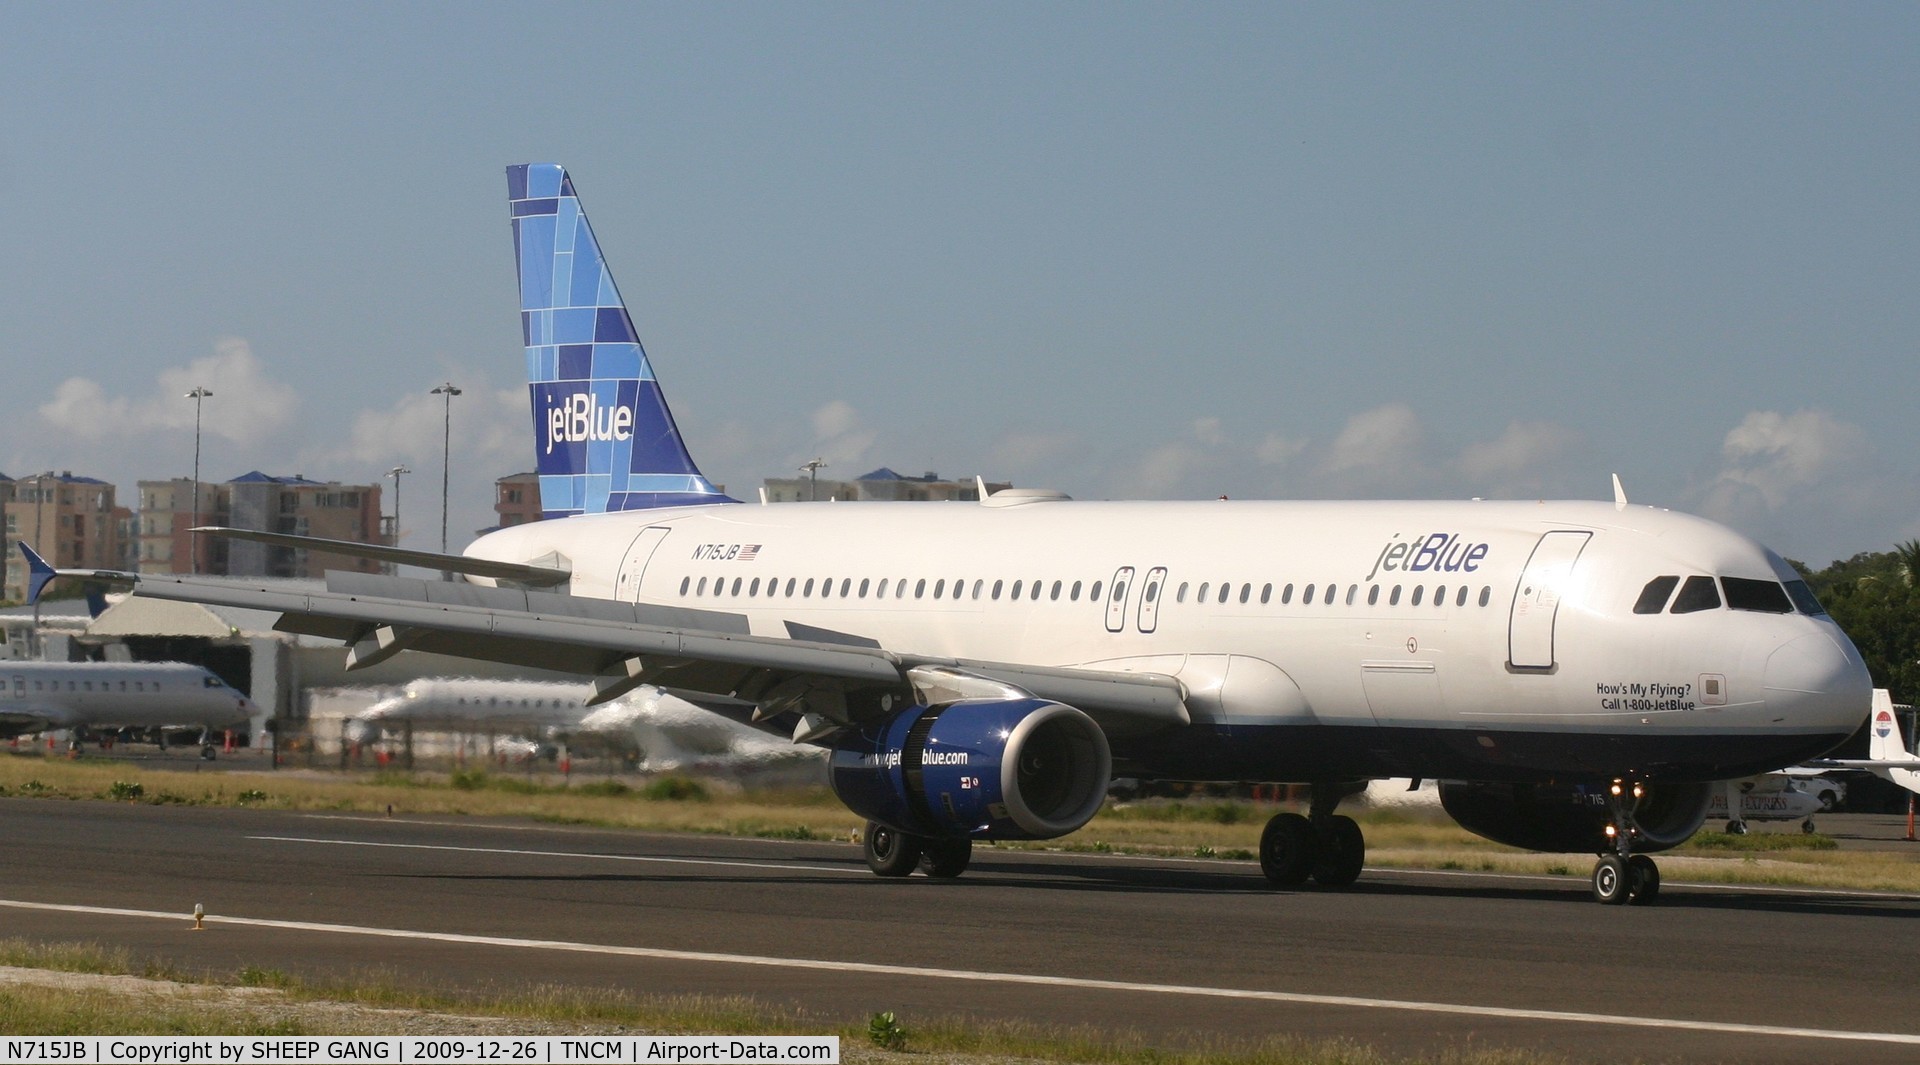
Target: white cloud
1525 448
840 438
1772 457
245 406
1377 450
1277 450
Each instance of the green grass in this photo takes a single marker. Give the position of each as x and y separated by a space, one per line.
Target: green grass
205 1009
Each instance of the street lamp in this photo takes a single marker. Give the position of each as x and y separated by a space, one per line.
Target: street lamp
395 474
812 469
446 461
197 395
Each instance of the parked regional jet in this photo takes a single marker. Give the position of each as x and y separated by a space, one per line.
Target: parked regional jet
101 696
1766 797
1577 673
667 732
1887 755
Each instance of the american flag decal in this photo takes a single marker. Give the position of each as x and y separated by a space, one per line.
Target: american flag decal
749 552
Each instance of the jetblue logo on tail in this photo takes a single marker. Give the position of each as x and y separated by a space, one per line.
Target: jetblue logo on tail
578 418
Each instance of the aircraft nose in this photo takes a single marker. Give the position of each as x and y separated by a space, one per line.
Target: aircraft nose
1819 680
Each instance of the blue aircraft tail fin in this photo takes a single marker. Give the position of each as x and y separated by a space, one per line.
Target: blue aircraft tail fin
603 435
39 573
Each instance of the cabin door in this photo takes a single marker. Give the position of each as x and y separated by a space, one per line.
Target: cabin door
638 554
1536 599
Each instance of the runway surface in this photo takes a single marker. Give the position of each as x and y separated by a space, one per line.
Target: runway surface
1180 951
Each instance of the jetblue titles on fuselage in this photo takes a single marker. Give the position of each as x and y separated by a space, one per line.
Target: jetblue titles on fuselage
1439 552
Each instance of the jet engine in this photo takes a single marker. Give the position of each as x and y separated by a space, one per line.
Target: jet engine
1573 818
976 768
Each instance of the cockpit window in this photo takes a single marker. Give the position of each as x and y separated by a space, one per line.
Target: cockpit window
1699 593
1767 597
1803 598
1653 598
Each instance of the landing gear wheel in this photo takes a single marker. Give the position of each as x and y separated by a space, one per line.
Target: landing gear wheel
890 852
1645 878
1736 828
945 858
1288 850
1342 852
206 753
1611 882
1807 826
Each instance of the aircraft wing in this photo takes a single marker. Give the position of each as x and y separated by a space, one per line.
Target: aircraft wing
622 645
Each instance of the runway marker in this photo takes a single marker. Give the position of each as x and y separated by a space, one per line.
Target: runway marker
973 976
782 866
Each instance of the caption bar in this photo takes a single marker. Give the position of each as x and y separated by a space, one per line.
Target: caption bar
436 1050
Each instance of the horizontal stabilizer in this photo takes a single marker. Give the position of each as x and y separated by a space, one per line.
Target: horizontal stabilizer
531 576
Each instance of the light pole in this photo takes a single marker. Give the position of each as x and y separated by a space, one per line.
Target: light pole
446 462
193 554
812 469
395 474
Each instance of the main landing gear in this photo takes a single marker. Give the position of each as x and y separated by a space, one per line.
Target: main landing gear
891 852
1324 846
1623 877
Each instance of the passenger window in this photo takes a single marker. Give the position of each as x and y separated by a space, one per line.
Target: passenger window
996 589
1328 598
939 588
1307 598
863 587
1016 589
1352 591
1440 596
1266 594
1486 595
846 585
979 586
703 587
1804 599
790 583
1055 594
1033 591
685 583
1417 589
880 591
1373 594
1653 598
1204 586
736 585
1226 589
1394 598
1093 593
920 588
1246 592
1699 593
1074 592
959 586
1120 592
754 588
1766 597
808 590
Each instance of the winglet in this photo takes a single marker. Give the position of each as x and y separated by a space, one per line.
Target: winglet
39 573
1884 740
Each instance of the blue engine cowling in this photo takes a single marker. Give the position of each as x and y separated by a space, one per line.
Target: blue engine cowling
976 768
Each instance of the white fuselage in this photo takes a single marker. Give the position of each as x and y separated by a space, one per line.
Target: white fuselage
666 731
1466 639
42 696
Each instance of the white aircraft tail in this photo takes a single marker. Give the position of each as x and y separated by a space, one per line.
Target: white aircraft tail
1885 743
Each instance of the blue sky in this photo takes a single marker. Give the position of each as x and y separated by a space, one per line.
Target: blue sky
1125 250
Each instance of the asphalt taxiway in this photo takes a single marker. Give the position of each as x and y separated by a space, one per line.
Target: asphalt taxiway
1181 952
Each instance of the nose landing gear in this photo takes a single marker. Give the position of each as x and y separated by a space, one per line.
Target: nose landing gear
1623 877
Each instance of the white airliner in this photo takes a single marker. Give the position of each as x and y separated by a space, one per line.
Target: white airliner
1577 673
1766 797
667 732
1887 755
101 696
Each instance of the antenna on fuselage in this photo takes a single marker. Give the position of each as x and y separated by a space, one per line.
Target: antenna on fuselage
1619 494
